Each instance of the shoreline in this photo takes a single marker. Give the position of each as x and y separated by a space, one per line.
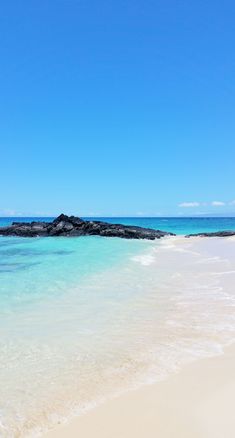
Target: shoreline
195 402
170 304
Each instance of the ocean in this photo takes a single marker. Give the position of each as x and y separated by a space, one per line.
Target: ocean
85 319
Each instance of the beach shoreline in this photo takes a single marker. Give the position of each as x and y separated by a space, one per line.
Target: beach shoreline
122 339
196 402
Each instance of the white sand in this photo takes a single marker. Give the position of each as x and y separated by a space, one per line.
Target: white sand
198 402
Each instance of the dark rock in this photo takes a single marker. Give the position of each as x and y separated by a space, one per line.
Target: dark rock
213 234
74 226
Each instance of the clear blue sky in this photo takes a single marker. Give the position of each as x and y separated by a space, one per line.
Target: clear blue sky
117 107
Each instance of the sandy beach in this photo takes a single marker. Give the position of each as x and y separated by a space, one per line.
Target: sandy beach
197 402
142 347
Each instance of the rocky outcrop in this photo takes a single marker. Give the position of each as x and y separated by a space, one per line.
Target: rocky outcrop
73 226
213 234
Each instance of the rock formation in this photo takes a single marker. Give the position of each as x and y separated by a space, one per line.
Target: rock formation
213 234
73 226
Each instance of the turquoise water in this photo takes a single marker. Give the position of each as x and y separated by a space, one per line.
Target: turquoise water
180 225
82 319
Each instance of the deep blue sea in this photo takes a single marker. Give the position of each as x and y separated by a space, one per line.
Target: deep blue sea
85 318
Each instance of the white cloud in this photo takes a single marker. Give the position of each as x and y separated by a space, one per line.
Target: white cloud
232 202
189 204
8 212
217 203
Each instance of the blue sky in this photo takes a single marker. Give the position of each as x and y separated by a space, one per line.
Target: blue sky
117 107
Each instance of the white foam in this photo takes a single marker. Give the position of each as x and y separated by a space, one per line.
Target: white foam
222 273
144 260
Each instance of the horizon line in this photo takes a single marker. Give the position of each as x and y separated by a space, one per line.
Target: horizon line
128 217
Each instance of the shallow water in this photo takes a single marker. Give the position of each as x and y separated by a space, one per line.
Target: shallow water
83 319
